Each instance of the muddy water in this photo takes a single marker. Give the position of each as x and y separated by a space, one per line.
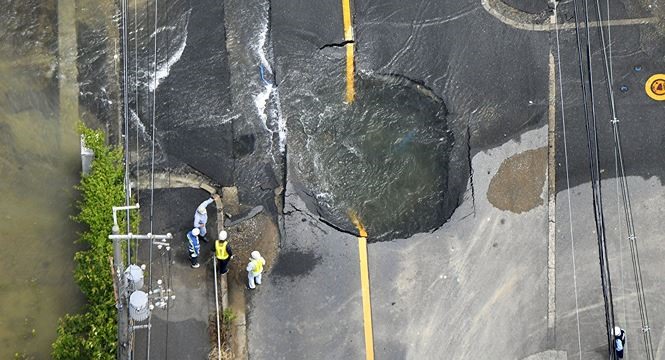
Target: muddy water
39 164
385 157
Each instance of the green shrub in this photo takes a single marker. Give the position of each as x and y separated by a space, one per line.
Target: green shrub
228 317
92 334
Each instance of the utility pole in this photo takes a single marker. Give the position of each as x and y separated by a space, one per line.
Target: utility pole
123 352
121 280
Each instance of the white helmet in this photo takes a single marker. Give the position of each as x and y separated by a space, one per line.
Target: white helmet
256 255
617 331
223 235
201 210
196 231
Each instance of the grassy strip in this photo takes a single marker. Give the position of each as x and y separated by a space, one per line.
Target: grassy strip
227 322
92 334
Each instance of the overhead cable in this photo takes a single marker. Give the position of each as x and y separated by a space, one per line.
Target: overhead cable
570 208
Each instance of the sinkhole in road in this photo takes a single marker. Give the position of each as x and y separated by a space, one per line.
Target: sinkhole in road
386 157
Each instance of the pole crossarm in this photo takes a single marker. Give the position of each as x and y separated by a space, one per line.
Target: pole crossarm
168 236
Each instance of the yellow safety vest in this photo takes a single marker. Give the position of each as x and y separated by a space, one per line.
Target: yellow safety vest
258 266
220 250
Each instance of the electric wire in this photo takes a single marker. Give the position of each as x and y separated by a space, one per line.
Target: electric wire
604 258
125 105
152 170
637 271
168 278
166 343
138 156
593 158
136 112
125 135
620 237
570 207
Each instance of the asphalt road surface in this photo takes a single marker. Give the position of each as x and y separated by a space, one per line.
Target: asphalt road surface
478 286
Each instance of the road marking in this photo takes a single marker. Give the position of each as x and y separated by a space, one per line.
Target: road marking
350 48
551 195
564 26
655 87
364 284
367 305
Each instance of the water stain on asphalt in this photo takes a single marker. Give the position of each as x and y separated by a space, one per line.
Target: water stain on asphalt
295 263
519 182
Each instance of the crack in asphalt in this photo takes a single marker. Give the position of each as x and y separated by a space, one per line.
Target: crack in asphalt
341 44
468 156
319 219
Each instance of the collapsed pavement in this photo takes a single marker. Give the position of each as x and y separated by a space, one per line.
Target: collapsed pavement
474 272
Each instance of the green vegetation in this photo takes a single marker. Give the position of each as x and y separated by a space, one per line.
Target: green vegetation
92 334
229 316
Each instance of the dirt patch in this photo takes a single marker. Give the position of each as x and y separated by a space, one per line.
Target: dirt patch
259 233
519 182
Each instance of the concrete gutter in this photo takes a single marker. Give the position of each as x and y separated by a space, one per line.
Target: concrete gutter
168 180
239 331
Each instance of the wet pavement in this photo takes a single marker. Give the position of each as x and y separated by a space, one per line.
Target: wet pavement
637 52
473 272
181 331
480 282
443 155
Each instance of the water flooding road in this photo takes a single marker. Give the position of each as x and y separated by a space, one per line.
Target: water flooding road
38 168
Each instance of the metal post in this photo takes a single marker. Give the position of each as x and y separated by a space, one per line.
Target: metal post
123 314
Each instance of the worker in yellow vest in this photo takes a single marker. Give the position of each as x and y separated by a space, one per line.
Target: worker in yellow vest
223 252
254 269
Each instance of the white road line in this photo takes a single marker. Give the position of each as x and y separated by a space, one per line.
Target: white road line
563 26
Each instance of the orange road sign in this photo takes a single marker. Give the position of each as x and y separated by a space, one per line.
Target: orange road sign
655 87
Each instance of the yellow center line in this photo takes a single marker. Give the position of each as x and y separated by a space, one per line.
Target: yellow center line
367 305
348 36
364 284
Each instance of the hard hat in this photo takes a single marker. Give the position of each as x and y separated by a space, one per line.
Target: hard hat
256 255
223 235
201 210
617 331
196 231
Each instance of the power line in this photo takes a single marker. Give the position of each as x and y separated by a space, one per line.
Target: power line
138 119
125 103
570 208
637 271
169 280
152 168
594 170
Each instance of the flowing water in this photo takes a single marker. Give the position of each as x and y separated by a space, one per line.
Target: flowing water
386 157
39 165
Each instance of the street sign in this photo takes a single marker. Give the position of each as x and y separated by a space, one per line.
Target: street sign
655 87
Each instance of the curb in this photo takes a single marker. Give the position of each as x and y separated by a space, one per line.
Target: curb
239 328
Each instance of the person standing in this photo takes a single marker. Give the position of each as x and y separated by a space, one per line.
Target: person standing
194 247
254 269
201 217
619 341
223 252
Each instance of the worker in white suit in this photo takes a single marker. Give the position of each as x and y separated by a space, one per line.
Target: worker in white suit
254 269
201 217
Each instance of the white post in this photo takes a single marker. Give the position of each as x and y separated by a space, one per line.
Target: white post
219 340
